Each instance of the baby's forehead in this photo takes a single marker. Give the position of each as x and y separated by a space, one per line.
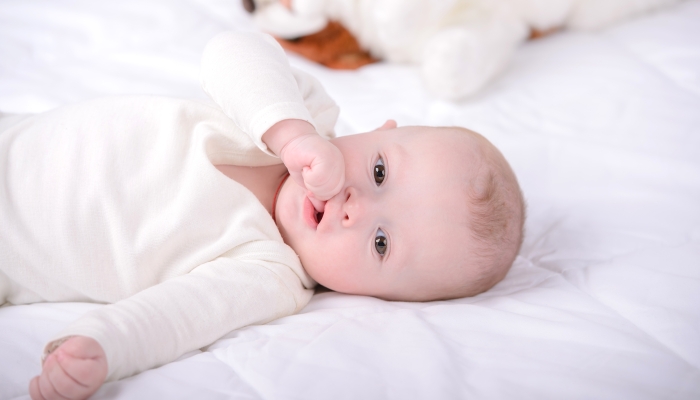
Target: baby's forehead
436 172
434 212
445 146
439 160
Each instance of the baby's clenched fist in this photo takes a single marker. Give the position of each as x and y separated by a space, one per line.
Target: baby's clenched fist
313 162
75 370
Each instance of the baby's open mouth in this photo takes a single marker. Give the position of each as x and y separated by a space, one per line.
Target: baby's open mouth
319 216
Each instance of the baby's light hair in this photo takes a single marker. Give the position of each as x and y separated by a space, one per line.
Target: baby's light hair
496 219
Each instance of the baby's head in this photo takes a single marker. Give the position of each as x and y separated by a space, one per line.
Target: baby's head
425 214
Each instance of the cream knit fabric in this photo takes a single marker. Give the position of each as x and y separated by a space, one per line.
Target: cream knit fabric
117 201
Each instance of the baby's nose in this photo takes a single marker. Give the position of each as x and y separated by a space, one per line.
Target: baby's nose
353 209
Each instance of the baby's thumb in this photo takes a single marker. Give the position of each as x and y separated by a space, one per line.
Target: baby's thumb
319 205
298 177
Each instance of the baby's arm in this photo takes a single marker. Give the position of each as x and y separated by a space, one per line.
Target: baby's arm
248 76
159 324
75 370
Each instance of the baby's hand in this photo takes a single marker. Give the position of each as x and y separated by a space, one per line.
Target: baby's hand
313 162
75 370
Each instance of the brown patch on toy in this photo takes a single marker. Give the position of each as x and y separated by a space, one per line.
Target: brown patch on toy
536 33
334 46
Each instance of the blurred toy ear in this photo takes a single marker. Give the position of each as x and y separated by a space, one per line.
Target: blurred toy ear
389 124
249 5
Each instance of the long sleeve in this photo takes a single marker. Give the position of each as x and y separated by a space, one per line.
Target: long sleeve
247 75
192 255
250 285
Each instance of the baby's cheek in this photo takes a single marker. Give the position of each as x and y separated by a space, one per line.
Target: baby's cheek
350 275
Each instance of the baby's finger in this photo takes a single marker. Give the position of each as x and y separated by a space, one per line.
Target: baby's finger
319 205
80 347
89 373
64 384
34 391
324 181
48 391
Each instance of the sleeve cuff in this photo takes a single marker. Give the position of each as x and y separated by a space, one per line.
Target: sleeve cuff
273 114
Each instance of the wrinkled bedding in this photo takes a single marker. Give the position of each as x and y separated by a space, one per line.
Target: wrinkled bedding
603 132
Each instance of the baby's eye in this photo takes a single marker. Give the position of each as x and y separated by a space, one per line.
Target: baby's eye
381 242
379 172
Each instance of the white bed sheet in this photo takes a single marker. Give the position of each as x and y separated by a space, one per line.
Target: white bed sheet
603 131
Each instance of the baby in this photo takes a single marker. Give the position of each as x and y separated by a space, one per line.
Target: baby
180 216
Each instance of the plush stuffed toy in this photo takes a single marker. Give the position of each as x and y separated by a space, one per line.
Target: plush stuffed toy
324 41
460 45
333 46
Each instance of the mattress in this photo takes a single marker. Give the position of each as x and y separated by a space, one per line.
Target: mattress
603 132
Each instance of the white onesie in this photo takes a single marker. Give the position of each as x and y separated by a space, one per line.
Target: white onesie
118 200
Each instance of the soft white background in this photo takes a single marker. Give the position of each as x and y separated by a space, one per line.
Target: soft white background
603 131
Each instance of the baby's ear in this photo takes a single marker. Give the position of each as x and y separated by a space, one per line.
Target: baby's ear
389 124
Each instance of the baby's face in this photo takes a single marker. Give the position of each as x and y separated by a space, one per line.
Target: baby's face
398 226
